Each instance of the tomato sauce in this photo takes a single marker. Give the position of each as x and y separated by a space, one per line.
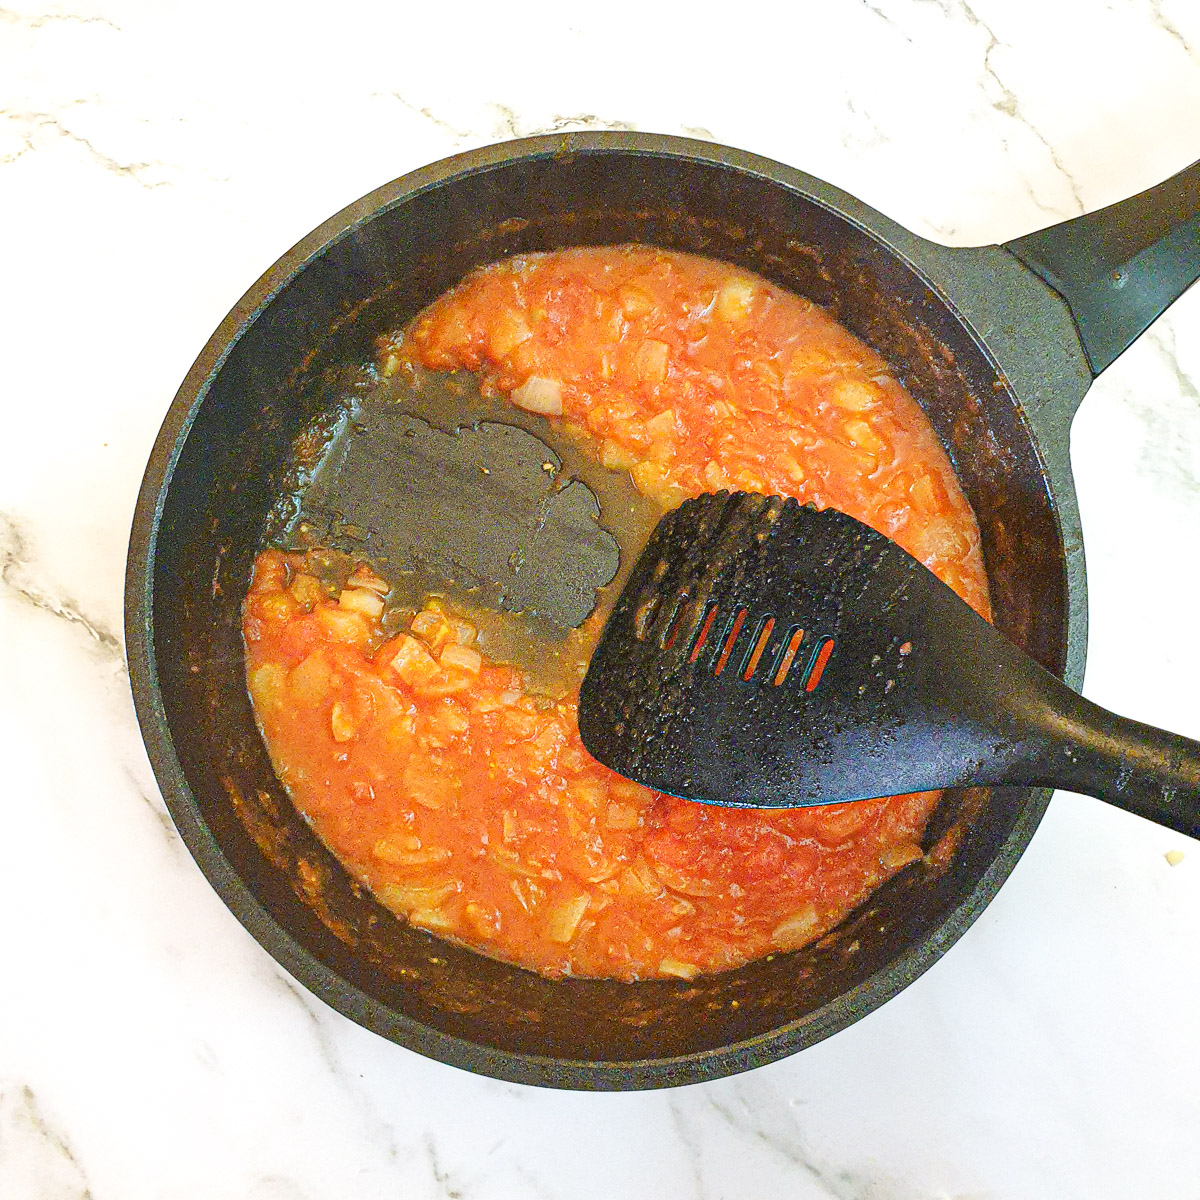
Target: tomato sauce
464 800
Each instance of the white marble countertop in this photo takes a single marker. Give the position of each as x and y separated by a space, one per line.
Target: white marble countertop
155 158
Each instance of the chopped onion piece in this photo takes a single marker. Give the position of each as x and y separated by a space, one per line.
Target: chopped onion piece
364 577
411 661
433 919
681 970
539 394
428 624
463 632
895 857
462 657
425 894
652 360
797 929
621 816
565 918
509 329
734 299
362 600
663 425
344 626
396 856
341 723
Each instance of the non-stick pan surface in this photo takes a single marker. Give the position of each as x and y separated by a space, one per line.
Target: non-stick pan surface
990 351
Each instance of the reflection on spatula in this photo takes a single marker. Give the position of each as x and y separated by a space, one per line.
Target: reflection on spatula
765 654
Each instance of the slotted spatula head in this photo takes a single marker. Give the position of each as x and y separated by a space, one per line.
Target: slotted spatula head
766 654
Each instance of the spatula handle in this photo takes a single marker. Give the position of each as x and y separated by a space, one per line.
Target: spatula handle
1136 767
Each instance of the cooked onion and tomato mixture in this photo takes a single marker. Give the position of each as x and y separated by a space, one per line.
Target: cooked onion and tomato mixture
460 794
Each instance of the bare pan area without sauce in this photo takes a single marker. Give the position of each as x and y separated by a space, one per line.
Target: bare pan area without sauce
453 782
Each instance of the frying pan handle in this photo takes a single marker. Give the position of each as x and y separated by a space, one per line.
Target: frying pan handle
1120 267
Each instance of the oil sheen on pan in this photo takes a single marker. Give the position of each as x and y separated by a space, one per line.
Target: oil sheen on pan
431 739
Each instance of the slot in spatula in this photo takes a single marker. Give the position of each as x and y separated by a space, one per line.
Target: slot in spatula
765 654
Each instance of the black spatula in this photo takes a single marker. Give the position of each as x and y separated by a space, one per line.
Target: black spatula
766 654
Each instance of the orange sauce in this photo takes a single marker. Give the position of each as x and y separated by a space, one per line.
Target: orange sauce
467 803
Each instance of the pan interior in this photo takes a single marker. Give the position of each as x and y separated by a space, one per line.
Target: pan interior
279 373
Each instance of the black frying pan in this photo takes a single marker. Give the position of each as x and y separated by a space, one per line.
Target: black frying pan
999 344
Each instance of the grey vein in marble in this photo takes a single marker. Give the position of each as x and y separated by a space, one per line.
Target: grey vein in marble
753 1116
514 125
875 10
277 1187
320 1035
383 1131
531 1187
1170 28
678 1108
160 813
1163 336
874 136
40 20
441 1176
745 1118
424 111
29 124
35 1158
19 578
1164 454
1008 105
508 123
